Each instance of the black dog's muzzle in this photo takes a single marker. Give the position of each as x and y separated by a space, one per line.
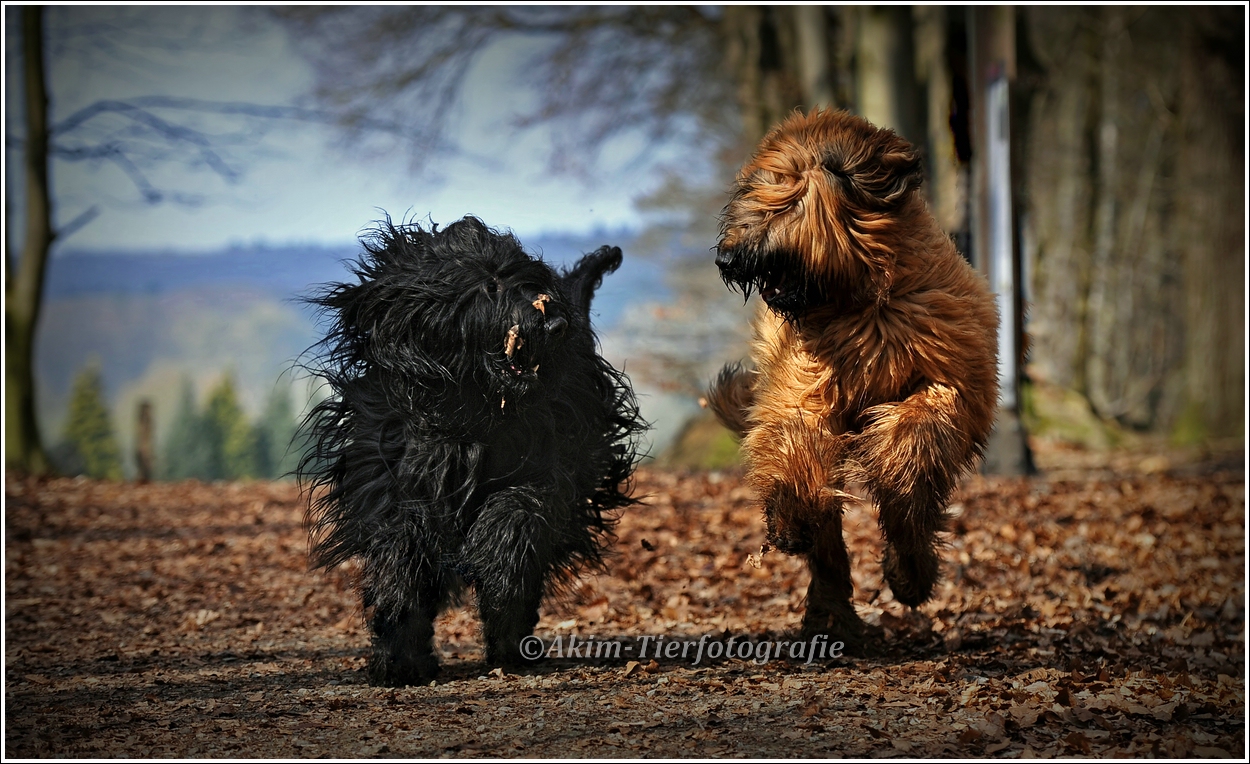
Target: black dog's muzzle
536 329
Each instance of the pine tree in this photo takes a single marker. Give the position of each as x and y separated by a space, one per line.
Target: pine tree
90 445
186 452
277 429
232 439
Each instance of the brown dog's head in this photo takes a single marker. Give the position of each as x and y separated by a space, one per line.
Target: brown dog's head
810 219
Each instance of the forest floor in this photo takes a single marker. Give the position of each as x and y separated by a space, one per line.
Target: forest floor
1096 610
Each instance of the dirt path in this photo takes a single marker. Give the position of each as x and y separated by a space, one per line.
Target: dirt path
1100 617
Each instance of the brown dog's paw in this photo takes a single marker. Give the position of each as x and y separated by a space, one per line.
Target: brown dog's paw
911 576
844 631
788 519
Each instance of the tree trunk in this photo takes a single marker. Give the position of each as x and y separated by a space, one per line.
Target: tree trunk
1210 235
815 74
992 34
760 52
1104 339
1060 192
886 92
24 289
947 197
144 449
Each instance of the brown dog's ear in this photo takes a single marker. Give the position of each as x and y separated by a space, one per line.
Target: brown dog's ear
881 178
901 171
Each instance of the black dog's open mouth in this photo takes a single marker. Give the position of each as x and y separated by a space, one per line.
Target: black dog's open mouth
519 363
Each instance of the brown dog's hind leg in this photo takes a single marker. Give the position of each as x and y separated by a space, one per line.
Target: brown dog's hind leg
911 453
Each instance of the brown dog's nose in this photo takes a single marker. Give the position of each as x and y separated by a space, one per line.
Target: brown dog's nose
724 257
556 326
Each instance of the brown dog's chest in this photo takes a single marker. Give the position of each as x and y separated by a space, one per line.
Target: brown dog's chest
832 369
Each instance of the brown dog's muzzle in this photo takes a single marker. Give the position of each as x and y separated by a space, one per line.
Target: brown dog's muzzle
735 268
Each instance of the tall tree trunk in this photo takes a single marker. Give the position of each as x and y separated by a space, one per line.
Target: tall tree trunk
992 36
947 197
811 26
887 94
1210 236
760 51
24 289
1060 192
1104 341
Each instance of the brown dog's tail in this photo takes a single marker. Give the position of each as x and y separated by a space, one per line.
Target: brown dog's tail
730 396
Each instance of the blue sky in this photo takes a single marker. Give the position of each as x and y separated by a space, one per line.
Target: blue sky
294 187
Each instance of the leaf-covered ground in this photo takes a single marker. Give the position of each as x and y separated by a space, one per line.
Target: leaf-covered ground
1084 613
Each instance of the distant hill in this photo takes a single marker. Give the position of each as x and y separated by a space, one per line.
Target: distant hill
288 272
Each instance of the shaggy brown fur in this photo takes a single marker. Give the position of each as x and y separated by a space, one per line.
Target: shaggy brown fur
875 353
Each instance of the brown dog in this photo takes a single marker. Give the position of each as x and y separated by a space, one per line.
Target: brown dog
875 353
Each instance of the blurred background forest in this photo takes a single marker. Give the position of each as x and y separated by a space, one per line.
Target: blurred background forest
176 178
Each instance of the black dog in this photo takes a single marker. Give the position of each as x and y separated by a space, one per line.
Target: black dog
473 435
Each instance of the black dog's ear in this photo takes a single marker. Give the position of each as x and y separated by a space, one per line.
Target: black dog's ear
583 279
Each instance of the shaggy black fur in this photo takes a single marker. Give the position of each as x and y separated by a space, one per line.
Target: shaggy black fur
473 437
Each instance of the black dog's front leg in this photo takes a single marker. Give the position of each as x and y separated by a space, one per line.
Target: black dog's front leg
510 549
405 599
403 652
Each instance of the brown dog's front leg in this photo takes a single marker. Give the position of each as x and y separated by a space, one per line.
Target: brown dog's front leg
790 465
794 466
911 453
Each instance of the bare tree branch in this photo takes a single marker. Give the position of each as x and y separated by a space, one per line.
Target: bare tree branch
599 72
148 139
231 108
83 218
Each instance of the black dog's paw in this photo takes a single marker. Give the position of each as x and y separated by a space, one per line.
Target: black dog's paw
386 670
